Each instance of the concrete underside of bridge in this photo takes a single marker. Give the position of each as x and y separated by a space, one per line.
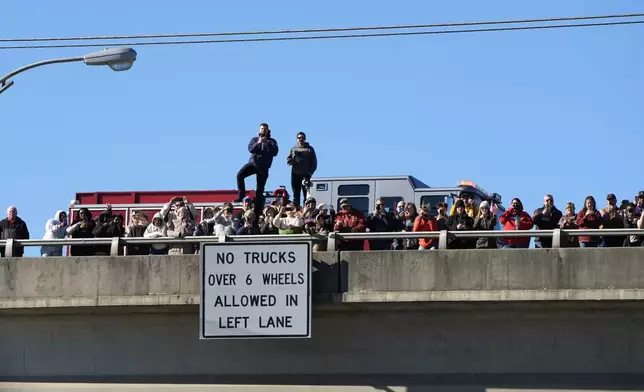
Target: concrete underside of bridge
561 345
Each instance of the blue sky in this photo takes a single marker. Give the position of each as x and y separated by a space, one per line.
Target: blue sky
520 113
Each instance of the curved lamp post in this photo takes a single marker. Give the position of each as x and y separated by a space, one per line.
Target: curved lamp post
119 59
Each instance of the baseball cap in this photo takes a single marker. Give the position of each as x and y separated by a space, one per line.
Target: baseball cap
640 194
611 196
344 202
246 198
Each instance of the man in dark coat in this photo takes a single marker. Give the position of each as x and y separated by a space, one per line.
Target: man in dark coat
546 218
12 227
304 163
263 149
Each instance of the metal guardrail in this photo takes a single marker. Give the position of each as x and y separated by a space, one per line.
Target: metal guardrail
559 237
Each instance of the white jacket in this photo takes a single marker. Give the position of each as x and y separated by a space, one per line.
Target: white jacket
156 232
54 228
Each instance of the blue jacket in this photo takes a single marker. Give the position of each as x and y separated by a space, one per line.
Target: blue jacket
262 154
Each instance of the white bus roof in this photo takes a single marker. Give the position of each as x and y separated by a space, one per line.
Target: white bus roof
415 182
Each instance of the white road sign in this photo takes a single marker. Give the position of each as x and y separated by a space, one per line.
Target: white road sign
255 290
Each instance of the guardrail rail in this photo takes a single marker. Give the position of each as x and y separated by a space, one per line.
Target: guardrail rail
559 238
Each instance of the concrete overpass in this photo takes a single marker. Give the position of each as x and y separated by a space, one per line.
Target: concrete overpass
517 319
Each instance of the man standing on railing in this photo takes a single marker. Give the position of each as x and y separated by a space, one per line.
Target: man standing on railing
546 218
263 148
12 227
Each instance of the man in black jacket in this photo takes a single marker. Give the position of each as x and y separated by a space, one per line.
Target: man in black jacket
12 227
546 218
380 221
304 162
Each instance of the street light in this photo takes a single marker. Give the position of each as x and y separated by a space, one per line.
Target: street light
119 59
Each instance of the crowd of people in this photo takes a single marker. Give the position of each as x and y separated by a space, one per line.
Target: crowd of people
178 218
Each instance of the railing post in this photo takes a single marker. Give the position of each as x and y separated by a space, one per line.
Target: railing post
330 242
557 237
222 238
114 247
8 249
442 239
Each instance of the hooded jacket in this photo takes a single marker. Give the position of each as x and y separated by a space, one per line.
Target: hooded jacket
223 225
153 231
54 229
262 154
303 159
177 229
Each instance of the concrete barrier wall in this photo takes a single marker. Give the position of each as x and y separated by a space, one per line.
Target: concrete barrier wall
110 281
404 276
508 269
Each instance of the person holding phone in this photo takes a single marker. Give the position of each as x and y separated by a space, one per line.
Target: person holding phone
380 221
263 148
169 210
589 218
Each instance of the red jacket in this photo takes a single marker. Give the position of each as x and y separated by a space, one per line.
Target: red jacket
591 221
426 224
349 221
509 222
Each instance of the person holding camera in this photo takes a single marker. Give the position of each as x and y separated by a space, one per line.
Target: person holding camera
181 227
169 210
288 221
546 218
486 220
631 221
108 225
263 148
55 228
266 223
82 227
304 162
349 220
515 218
224 220
380 221
426 222
249 226
460 221
589 218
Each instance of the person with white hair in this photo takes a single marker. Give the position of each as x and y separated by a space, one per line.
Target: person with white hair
12 227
